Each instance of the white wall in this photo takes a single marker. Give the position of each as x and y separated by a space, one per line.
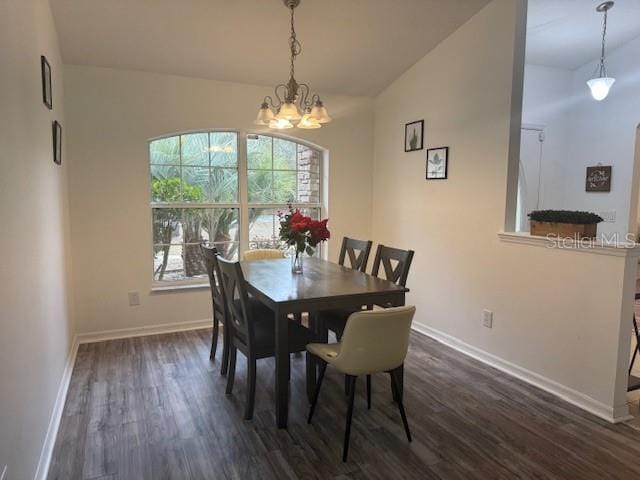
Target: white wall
35 323
546 102
110 116
557 313
605 132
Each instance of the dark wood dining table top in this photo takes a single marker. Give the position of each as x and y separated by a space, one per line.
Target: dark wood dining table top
275 283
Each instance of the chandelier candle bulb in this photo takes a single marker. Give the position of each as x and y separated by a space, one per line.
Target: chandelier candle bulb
280 124
265 115
308 121
293 97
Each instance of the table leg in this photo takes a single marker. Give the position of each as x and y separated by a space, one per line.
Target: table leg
399 372
311 360
282 369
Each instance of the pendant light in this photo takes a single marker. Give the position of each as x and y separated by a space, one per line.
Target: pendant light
601 84
292 98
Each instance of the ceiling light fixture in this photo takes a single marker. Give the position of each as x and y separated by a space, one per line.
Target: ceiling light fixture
601 84
292 98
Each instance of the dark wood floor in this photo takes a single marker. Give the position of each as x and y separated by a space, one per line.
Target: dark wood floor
154 408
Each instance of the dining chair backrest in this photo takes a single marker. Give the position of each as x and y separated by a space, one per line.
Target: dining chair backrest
237 299
210 255
262 254
385 256
375 340
357 251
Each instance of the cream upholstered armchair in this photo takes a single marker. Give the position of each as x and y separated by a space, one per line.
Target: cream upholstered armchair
262 254
373 341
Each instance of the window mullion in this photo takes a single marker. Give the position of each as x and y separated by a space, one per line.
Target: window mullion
243 192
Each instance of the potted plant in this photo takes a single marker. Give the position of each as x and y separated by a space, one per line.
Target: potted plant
564 223
302 234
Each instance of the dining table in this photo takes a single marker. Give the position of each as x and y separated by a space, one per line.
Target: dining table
322 285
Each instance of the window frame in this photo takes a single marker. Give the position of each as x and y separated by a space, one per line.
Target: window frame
243 205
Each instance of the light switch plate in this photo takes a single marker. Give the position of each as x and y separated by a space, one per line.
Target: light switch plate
134 299
487 318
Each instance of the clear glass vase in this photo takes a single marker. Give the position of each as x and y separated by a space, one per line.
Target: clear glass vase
297 261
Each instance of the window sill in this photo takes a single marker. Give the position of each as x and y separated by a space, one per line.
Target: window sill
594 247
160 289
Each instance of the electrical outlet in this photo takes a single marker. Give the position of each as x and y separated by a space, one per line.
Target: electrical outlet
487 318
134 299
608 216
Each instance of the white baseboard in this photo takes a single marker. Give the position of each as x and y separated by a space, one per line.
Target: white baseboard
54 423
143 331
585 402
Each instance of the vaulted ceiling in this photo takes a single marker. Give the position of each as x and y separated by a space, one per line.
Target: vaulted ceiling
567 33
354 47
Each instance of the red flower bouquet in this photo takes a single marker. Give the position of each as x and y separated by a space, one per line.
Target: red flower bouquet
303 233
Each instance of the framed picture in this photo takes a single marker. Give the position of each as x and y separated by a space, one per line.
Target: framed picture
47 94
437 163
57 142
413 136
598 179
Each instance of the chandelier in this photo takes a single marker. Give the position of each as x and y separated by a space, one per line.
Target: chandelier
601 84
293 101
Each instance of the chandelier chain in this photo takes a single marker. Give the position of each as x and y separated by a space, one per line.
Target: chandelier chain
294 44
602 51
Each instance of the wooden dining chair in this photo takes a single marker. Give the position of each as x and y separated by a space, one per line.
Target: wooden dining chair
373 341
395 268
262 254
210 255
357 251
252 330
397 273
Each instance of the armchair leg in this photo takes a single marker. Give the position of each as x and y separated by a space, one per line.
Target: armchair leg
231 374
394 386
347 430
368 392
397 388
323 367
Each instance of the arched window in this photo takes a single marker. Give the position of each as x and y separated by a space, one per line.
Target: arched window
204 187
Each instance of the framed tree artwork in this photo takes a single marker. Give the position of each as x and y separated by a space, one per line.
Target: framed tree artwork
437 163
413 136
47 93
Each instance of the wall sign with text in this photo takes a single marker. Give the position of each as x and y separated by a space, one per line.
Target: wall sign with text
598 179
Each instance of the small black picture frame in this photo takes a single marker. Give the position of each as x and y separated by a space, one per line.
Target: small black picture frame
57 142
437 163
47 92
414 136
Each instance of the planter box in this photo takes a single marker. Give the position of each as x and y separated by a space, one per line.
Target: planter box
564 230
